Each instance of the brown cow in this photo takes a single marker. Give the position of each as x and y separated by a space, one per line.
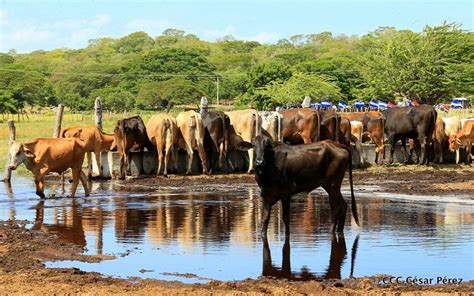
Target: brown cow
96 141
45 155
245 125
162 131
373 123
216 139
130 135
463 138
330 125
300 125
192 137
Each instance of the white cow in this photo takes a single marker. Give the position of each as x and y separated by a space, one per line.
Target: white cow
272 124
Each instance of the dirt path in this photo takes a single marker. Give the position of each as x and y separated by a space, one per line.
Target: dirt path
23 252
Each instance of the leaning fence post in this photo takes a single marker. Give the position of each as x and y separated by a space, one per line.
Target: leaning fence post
12 136
59 119
98 112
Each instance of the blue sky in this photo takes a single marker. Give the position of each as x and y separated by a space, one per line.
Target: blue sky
32 25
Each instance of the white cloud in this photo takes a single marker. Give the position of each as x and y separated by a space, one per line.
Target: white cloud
152 27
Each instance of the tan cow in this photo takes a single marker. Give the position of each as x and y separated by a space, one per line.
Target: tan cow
45 155
245 125
192 137
464 138
95 140
439 137
162 131
357 129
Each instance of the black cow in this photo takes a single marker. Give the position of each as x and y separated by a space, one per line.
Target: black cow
216 136
282 170
130 135
417 123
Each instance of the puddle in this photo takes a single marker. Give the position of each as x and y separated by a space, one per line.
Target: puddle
197 236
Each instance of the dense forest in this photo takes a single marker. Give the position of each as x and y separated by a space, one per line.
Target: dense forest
146 73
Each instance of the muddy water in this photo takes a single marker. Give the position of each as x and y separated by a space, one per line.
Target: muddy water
196 235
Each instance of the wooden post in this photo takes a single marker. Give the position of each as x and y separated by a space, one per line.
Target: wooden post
98 112
12 136
59 119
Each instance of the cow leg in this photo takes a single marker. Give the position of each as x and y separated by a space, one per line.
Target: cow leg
123 166
405 151
89 164
99 162
285 204
251 155
39 182
457 156
392 149
266 210
202 156
338 207
468 153
62 183
168 150
221 156
424 157
84 182
75 180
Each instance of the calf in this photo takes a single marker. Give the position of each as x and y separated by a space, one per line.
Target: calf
44 155
95 140
464 138
283 170
192 137
162 132
130 135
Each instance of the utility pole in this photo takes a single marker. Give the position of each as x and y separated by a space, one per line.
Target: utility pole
217 80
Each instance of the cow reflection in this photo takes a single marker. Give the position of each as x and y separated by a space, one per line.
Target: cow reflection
336 259
68 230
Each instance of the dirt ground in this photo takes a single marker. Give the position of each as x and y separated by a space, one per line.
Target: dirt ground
23 251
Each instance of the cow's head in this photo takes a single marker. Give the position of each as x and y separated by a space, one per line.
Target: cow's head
18 155
454 142
264 153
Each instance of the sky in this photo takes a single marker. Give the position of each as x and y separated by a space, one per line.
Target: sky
34 25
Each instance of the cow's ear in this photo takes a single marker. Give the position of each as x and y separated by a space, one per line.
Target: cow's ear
244 146
28 152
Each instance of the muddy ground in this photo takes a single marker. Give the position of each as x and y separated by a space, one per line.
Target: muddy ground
23 252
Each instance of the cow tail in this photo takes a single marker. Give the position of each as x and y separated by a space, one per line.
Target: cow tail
280 138
338 127
63 134
226 125
253 126
353 201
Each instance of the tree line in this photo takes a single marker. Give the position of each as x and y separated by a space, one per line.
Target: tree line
141 72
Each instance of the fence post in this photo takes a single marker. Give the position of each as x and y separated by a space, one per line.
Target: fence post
11 138
59 119
98 112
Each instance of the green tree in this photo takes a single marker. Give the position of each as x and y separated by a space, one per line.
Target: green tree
426 66
294 90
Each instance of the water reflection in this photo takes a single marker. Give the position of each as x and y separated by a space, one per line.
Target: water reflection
216 235
333 271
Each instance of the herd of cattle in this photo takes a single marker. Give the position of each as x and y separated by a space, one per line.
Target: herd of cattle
214 133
